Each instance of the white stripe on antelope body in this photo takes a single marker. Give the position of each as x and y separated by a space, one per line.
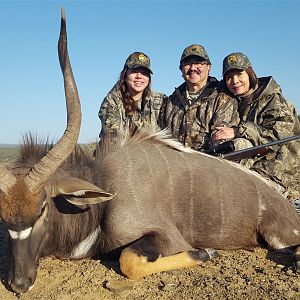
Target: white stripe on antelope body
159 204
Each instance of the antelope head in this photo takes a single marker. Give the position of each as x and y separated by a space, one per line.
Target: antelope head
24 195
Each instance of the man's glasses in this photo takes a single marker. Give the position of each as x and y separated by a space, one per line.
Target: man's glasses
197 64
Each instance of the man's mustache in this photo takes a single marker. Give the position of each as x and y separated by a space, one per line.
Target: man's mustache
192 71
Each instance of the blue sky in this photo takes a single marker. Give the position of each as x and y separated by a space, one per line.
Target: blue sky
101 34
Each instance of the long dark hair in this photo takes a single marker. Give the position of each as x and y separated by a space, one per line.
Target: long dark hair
128 101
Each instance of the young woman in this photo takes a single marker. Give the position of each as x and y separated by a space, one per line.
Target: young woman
265 116
131 102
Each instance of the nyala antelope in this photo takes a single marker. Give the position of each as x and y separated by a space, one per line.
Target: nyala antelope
145 199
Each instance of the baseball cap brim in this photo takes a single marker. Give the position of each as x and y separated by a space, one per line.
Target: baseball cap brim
195 55
136 66
234 68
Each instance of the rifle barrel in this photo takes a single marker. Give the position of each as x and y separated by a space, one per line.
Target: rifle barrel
261 149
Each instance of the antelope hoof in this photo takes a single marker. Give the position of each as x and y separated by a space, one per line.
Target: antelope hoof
297 266
204 254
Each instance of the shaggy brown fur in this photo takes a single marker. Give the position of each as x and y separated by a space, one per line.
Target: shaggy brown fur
19 206
32 150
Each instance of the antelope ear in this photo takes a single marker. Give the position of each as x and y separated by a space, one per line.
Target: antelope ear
80 192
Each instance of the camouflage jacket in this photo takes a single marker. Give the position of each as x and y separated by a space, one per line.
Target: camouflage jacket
193 122
267 116
113 117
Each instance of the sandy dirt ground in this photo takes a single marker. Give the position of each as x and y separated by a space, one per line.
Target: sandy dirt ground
241 274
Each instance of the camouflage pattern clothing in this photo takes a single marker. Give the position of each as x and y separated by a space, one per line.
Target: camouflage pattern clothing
113 116
236 60
138 60
267 116
194 50
192 120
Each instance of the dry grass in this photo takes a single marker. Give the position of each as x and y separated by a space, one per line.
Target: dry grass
8 154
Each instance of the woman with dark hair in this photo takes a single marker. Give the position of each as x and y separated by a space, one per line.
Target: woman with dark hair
131 102
265 116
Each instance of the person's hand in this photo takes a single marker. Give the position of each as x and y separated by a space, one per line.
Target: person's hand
224 133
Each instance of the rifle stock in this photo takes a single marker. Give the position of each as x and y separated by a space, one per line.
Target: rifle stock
246 153
257 150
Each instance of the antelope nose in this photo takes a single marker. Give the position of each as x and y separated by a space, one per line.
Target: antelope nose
20 286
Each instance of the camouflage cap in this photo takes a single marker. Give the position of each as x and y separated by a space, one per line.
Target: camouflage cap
196 50
236 60
137 60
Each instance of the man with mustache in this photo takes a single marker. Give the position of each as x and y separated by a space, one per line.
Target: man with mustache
197 106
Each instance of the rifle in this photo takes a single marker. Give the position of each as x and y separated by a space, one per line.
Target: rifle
257 150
